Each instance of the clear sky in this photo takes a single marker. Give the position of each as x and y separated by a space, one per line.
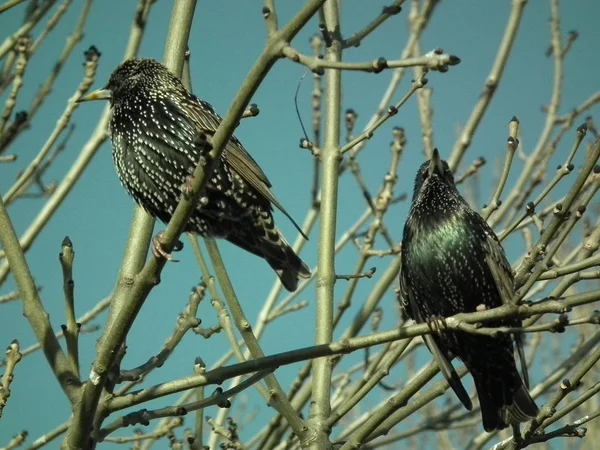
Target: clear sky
226 39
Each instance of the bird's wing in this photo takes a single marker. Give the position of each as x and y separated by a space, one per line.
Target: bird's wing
448 371
500 269
502 274
441 358
207 120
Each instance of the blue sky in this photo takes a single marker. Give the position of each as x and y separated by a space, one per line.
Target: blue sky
226 39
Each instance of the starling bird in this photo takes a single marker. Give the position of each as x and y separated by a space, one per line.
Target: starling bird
452 262
159 132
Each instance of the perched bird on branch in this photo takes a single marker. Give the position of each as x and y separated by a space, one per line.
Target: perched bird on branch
159 132
452 262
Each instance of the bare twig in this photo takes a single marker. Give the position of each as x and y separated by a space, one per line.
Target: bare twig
13 356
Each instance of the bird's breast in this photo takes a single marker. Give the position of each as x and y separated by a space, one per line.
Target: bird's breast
445 265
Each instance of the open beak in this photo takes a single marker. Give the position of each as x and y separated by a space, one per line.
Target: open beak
100 94
435 163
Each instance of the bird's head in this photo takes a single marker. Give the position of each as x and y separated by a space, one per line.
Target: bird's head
435 198
434 174
129 78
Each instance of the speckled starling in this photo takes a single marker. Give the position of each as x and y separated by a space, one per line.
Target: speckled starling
157 128
452 262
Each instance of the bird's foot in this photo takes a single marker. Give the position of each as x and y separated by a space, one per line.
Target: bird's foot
187 188
158 250
201 142
437 324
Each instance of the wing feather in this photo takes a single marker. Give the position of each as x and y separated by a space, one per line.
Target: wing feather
207 120
441 358
502 274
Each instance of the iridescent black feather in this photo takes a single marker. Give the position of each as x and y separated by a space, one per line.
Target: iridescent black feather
155 126
452 262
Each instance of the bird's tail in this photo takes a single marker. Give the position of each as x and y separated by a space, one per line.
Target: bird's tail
265 240
503 397
523 408
290 270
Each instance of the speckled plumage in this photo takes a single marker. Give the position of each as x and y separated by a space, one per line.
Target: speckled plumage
452 262
156 129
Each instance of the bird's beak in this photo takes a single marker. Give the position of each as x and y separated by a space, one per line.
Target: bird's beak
435 163
100 94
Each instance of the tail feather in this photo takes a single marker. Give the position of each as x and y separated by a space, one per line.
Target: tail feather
522 409
289 268
268 243
289 278
503 400
490 407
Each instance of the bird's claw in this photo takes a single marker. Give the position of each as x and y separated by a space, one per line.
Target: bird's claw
158 250
437 324
187 189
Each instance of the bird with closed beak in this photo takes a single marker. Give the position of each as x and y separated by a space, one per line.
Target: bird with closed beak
159 133
452 262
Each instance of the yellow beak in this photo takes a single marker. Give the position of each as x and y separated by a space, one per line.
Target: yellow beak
100 94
